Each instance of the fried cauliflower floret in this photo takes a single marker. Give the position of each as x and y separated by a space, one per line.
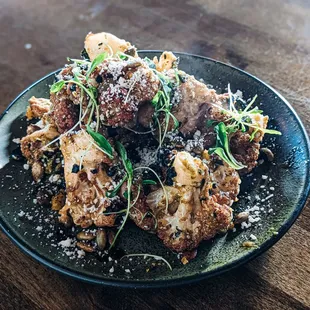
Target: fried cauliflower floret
125 85
98 43
194 213
167 61
195 104
38 107
224 182
192 216
244 150
190 171
32 145
86 188
64 114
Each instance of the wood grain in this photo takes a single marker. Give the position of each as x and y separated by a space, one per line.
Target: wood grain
269 39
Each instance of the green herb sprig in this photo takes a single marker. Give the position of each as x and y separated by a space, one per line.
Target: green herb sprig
162 104
101 141
96 62
241 119
222 148
129 176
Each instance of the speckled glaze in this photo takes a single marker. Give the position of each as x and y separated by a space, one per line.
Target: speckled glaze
289 174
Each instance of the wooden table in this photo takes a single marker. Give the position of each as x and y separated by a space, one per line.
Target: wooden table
270 39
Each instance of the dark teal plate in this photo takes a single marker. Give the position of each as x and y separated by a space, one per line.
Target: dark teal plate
288 176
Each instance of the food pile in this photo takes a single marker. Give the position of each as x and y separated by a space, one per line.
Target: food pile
125 138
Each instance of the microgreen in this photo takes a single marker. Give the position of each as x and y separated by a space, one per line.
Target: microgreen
56 87
210 123
149 182
162 101
129 176
101 141
159 180
97 61
113 193
150 63
222 148
241 119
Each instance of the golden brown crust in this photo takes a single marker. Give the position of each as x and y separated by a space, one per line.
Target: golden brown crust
195 214
37 107
86 188
32 145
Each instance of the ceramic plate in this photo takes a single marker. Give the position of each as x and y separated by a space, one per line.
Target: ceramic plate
282 193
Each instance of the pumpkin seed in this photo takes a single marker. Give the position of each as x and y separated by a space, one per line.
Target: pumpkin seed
248 244
82 235
85 247
101 239
241 217
268 153
111 236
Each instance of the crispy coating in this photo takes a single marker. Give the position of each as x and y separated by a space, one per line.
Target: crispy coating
197 103
194 213
98 43
32 144
64 114
167 61
142 216
86 188
194 103
245 150
125 86
37 107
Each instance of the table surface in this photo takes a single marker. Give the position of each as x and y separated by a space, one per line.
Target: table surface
269 39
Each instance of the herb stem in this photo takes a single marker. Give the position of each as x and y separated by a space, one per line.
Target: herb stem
159 180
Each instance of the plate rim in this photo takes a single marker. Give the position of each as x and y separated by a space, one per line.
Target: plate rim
188 279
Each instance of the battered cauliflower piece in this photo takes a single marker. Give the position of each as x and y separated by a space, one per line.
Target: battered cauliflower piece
86 188
33 145
124 86
194 104
37 107
167 61
244 149
194 213
98 43
197 104
190 171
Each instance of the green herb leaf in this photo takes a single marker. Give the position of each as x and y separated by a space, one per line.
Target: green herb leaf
97 61
222 148
126 162
101 141
210 123
121 150
253 134
272 132
256 111
94 91
123 57
149 182
155 101
126 194
175 121
113 193
56 87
